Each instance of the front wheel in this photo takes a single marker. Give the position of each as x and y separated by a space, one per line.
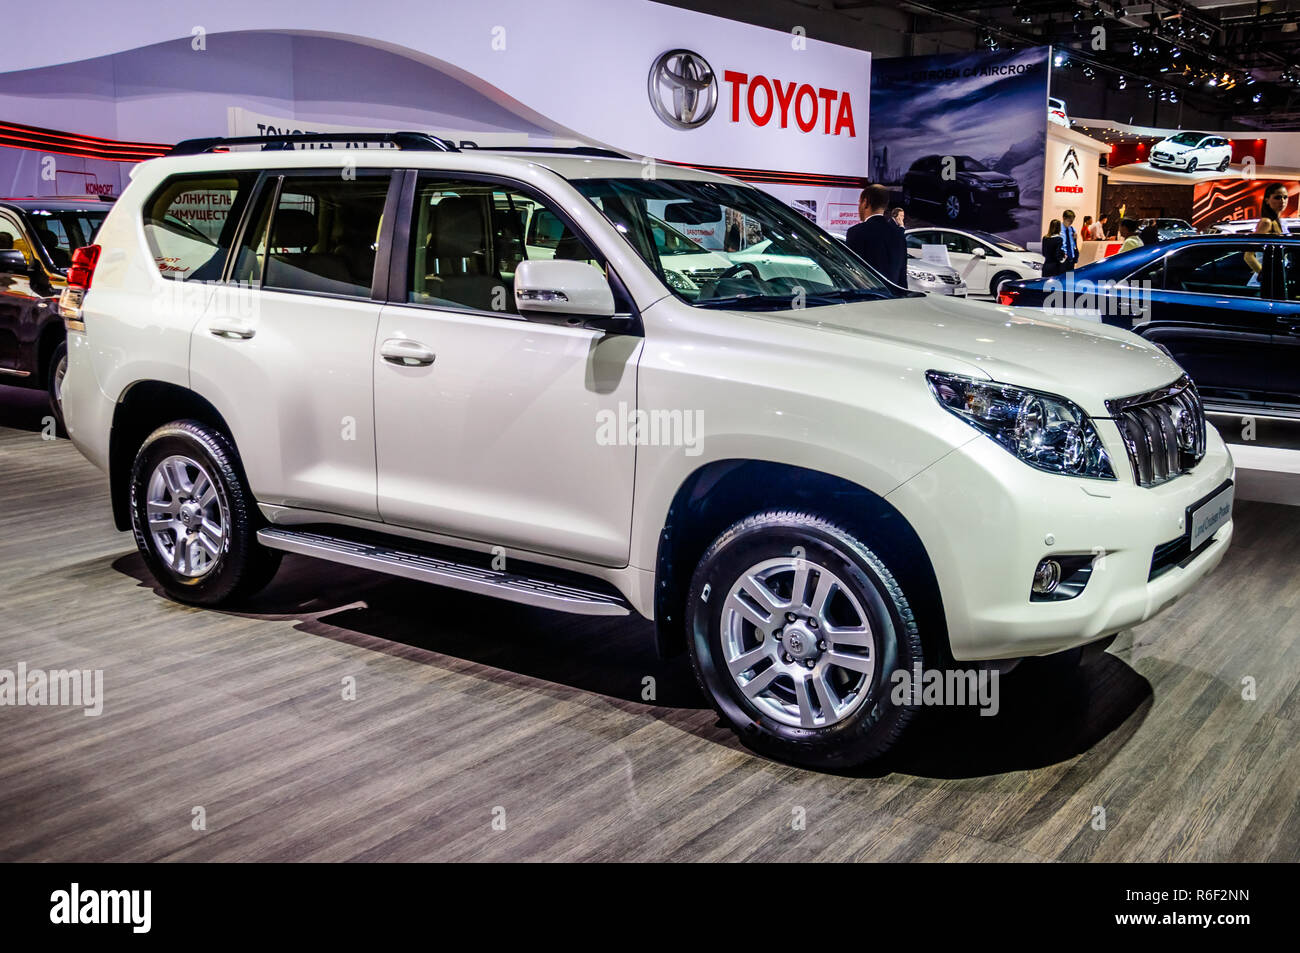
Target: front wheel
1000 279
1223 166
952 206
1191 166
194 519
796 628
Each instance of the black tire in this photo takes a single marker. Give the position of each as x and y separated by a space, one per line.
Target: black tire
865 732
1223 166
1191 165
54 383
1000 277
953 207
241 566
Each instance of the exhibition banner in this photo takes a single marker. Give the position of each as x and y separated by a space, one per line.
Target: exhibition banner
1232 200
960 138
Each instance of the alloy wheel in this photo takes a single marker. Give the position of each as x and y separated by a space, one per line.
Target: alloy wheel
187 516
798 643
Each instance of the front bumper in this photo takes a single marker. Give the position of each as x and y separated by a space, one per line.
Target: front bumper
985 519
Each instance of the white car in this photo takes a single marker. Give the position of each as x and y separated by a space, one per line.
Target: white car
1245 226
813 487
983 260
935 279
1056 112
1192 151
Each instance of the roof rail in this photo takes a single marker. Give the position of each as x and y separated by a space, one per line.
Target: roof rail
417 141
560 150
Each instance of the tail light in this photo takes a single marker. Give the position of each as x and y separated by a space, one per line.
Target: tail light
80 274
1008 297
82 270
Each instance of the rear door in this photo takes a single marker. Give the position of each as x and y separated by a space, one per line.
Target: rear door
1213 310
284 347
23 309
1287 340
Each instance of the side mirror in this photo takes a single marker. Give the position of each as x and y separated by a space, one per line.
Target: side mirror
979 253
562 288
13 262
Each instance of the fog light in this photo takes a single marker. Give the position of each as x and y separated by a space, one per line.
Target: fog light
1047 577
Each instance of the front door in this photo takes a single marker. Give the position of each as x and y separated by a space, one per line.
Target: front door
489 426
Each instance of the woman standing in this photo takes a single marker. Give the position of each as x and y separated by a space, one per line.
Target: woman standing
1270 212
1053 250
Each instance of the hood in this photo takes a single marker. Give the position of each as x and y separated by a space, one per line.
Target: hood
1086 361
988 178
1171 147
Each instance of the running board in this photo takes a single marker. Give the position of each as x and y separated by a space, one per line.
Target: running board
444 572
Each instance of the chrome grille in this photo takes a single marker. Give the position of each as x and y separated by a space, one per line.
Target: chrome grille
1163 431
705 274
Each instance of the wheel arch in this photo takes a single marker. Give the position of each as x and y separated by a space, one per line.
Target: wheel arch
51 336
722 492
142 408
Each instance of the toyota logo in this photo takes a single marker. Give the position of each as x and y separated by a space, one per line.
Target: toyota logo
683 89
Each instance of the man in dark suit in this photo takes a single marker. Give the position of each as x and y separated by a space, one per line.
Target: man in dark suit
877 240
1069 241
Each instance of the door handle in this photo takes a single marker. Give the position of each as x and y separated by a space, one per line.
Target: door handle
231 334
406 353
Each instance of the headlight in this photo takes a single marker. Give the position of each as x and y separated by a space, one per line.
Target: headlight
1047 432
1036 265
922 275
679 282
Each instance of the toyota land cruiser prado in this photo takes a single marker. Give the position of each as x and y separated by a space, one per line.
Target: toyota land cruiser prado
807 477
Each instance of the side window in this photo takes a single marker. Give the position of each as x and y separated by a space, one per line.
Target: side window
189 223
1152 274
1291 273
322 235
1233 270
11 236
468 238
957 244
915 240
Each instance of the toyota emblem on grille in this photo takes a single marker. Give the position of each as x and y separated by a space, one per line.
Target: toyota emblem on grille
683 89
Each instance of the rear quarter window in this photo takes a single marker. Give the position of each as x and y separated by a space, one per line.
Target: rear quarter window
189 223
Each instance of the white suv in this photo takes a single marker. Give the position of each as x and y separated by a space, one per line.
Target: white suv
814 484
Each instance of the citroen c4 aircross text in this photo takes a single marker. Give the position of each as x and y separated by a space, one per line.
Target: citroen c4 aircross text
809 478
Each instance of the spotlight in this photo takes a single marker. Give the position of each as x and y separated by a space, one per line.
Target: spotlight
1059 59
1257 97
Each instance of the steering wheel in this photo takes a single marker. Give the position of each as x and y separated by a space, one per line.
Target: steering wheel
734 272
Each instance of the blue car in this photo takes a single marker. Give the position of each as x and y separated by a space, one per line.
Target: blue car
1226 307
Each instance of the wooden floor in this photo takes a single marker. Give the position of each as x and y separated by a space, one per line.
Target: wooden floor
469 709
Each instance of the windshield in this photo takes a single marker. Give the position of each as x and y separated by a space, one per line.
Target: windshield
967 164
761 254
1186 138
63 231
998 242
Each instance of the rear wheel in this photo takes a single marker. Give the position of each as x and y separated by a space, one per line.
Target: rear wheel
194 520
952 206
796 628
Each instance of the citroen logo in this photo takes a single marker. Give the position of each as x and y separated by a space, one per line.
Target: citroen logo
683 89
1070 164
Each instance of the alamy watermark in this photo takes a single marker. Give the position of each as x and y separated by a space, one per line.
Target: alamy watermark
651 428
1070 295
946 687
73 688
